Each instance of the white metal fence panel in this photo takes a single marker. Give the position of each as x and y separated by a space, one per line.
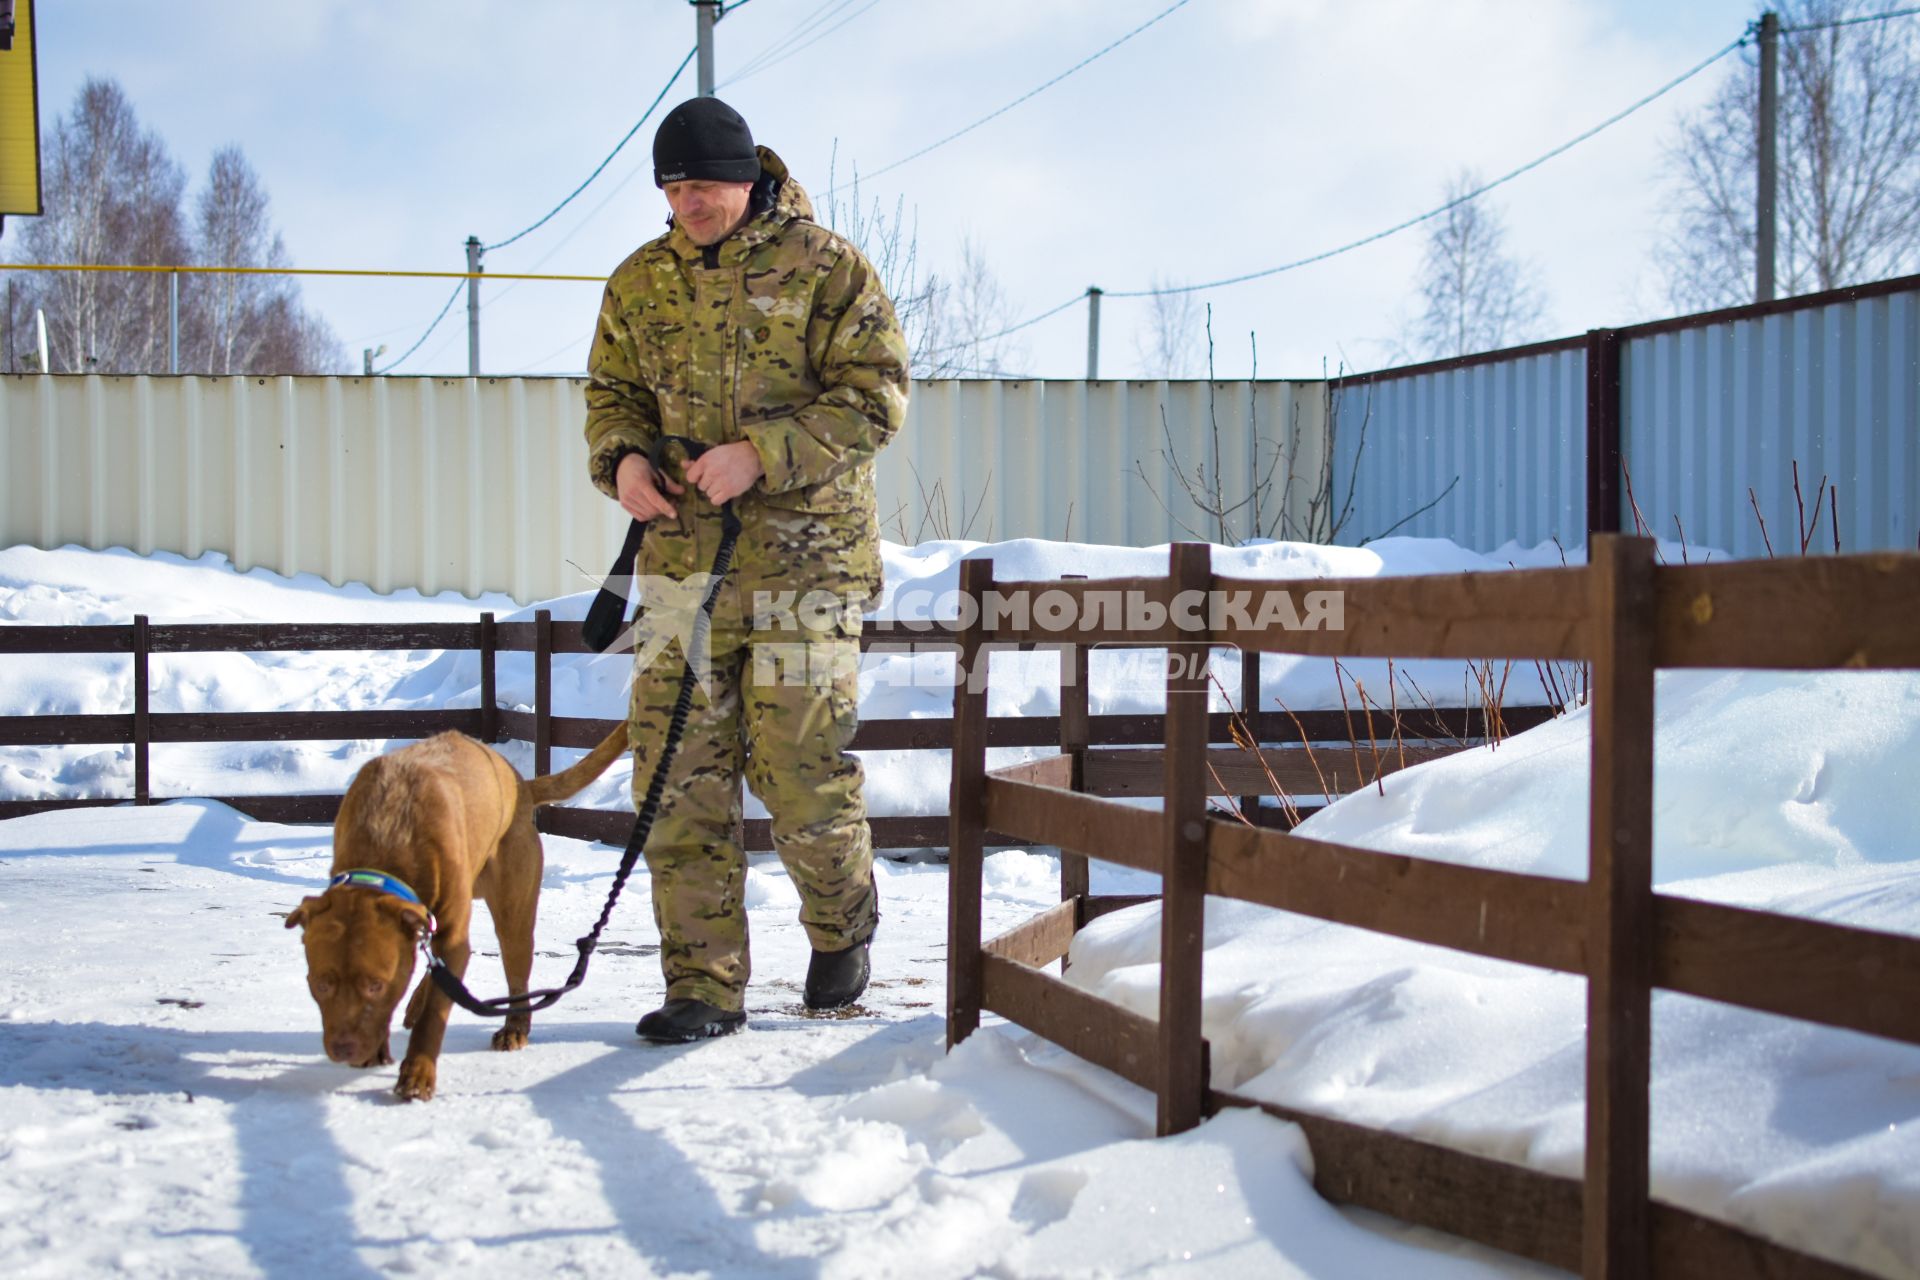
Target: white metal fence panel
1484 454
1713 412
480 484
1096 461
439 484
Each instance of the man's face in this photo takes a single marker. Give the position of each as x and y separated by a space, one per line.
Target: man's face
708 211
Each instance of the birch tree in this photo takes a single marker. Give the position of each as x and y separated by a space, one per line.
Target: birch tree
1474 294
1848 204
112 195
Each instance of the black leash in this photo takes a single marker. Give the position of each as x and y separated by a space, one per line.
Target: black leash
533 1001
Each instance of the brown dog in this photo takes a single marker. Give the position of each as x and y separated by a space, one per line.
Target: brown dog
452 821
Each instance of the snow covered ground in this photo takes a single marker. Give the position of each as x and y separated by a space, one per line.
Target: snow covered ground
165 1107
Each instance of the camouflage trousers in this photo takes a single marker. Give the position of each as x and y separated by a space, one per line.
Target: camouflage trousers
779 708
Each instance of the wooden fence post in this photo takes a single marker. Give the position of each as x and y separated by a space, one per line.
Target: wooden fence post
1620 935
542 691
1076 731
142 714
1603 432
489 708
1183 879
966 816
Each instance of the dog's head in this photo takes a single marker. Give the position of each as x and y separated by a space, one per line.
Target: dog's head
360 948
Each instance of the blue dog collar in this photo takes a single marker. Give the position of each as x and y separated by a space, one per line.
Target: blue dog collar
381 882
362 878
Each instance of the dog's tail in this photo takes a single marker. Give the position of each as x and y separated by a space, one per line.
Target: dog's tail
558 786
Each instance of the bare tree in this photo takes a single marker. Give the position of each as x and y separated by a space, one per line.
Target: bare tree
233 231
1165 343
243 323
891 242
1849 163
112 195
966 330
1474 295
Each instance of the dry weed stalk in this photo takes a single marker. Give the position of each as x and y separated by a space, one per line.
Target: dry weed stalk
1640 525
1755 500
1800 504
1353 739
1243 737
1373 743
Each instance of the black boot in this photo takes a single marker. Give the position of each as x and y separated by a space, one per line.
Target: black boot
684 1020
835 979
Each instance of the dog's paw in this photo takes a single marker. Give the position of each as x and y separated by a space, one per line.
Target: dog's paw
416 1079
507 1039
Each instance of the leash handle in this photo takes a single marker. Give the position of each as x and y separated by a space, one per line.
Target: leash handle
607 615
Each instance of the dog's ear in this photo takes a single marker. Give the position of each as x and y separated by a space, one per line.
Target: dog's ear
411 914
307 910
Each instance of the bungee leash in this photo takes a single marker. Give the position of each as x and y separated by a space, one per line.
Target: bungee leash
600 634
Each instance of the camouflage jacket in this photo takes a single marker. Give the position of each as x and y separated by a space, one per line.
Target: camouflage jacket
781 335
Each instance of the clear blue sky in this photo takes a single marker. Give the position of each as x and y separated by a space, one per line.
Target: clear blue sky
1232 136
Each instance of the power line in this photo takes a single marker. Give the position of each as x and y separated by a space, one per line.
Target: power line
457 290
826 12
1380 235
806 24
151 268
1044 315
990 373
1848 22
361 340
677 72
1475 194
1180 4
556 352
764 62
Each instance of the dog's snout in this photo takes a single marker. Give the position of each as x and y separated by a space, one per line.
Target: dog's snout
343 1049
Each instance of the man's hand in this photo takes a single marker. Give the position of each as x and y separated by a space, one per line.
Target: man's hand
639 487
726 471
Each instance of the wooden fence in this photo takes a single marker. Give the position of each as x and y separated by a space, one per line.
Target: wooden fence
1626 617
1439 730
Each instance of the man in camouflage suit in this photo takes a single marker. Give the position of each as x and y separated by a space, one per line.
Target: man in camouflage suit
753 330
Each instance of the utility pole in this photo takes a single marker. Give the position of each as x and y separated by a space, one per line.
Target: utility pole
1093 332
369 354
473 306
706 13
173 322
1765 206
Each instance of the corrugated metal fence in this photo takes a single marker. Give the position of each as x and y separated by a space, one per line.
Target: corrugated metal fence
1480 451
480 484
1097 461
1707 407
1710 411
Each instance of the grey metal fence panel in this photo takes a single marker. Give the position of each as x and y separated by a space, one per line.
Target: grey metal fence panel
1713 412
1484 454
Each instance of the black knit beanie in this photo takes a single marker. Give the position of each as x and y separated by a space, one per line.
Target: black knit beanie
704 139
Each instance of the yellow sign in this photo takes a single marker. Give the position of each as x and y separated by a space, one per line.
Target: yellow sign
19 115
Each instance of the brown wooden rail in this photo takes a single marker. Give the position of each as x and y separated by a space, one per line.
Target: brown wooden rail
1625 617
1431 730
